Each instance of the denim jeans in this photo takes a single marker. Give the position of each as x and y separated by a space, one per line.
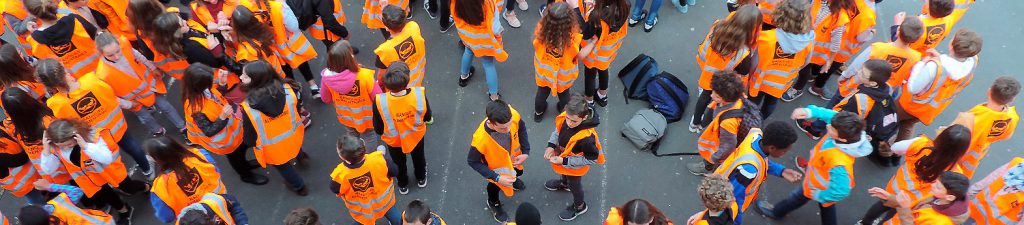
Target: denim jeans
237 212
797 199
489 70
130 146
651 13
35 197
291 176
145 115
393 216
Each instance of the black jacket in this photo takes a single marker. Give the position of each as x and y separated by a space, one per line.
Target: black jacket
308 11
62 31
587 146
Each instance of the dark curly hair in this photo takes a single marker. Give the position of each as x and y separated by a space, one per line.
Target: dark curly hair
557 27
727 85
779 134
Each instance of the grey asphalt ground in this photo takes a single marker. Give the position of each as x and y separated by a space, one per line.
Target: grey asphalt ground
456 192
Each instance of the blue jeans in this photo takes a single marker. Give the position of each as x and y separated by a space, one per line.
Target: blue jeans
237 212
651 13
489 70
291 176
130 146
393 216
35 197
145 115
797 199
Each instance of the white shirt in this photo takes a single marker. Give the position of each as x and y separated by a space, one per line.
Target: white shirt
98 152
923 73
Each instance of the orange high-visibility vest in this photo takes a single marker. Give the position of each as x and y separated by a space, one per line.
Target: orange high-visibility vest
823 32
902 61
319 32
229 137
860 24
219 206
244 51
79 55
94 102
929 103
567 149
205 16
403 118
767 7
32 88
497 157
66 212
710 61
138 85
408 47
905 179
373 12
817 177
368 192
174 67
997 203
958 12
480 38
776 70
556 66
292 47
117 19
607 47
280 138
923 213
34 150
355 108
19 179
17 9
707 143
90 176
181 190
745 154
935 30
989 127
864 104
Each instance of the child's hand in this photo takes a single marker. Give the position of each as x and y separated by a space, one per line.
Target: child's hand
694 218
904 200
899 17
879 193
792 175
799 114
41 184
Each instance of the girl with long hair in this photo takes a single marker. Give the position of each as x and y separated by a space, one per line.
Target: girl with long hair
637 211
142 15
28 118
727 46
830 23
186 174
482 38
272 123
926 159
17 172
174 37
556 51
75 49
18 73
351 88
212 121
292 46
249 39
605 30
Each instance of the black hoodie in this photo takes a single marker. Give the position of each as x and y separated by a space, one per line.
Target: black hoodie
587 146
62 31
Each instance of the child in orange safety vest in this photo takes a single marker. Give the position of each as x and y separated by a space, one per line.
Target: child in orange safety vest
16 170
19 73
832 20
996 198
636 211
373 196
726 47
572 148
351 89
63 209
946 204
995 120
936 80
406 45
481 35
400 117
605 29
829 176
556 60
938 21
732 118
67 38
897 53
960 7
716 195
498 151
186 174
781 53
418 213
220 209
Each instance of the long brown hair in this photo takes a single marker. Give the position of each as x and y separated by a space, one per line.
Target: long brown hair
197 79
26 113
613 12
850 6
641 211
263 80
470 11
62 130
737 31
557 27
946 150
166 38
340 58
248 29
142 14
15 68
45 10
169 155
793 16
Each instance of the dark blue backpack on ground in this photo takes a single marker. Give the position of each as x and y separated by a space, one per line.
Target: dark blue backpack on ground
636 75
668 95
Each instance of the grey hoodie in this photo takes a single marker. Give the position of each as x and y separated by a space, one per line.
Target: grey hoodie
792 43
857 149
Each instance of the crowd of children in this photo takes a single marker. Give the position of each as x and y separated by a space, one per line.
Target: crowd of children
78 64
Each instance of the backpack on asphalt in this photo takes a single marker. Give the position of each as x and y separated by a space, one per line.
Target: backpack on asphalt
645 130
636 75
668 95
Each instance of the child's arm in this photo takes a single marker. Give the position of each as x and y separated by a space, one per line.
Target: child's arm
901 147
921 75
73 193
820 113
163 212
838 186
727 139
856 64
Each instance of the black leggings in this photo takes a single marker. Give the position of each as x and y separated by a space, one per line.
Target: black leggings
702 105
589 77
239 163
540 102
814 71
767 104
576 187
419 163
878 210
493 189
108 196
307 73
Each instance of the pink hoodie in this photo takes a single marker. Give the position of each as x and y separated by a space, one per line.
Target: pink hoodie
332 82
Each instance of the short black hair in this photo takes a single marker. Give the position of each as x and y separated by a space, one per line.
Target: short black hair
577 106
848 126
956 184
393 17
196 217
940 8
880 70
397 77
417 211
1004 90
33 215
911 29
498 112
727 85
351 147
779 134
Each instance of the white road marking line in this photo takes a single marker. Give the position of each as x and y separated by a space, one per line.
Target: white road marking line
604 168
459 93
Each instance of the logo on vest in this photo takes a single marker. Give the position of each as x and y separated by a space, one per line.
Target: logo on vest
554 52
62 49
895 61
779 54
999 128
355 90
189 181
934 34
86 105
362 183
405 49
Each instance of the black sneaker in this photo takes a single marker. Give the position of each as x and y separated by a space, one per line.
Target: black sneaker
499 213
125 218
315 91
426 7
255 179
571 212
465 81
422 183
409 16
807 126
403 190
601 101
541 10
518 185
537 117
184 137
451 21
556 185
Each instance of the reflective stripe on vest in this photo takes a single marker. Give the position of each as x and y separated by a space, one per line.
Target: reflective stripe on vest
63 207
385 197
261 129
19 179
392 130
941 77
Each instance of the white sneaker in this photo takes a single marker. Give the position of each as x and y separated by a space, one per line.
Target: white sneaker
513 21
523 5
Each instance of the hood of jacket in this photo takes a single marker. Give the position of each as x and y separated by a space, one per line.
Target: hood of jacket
857 149
60 33
271 106
792 43
591 122
338 82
